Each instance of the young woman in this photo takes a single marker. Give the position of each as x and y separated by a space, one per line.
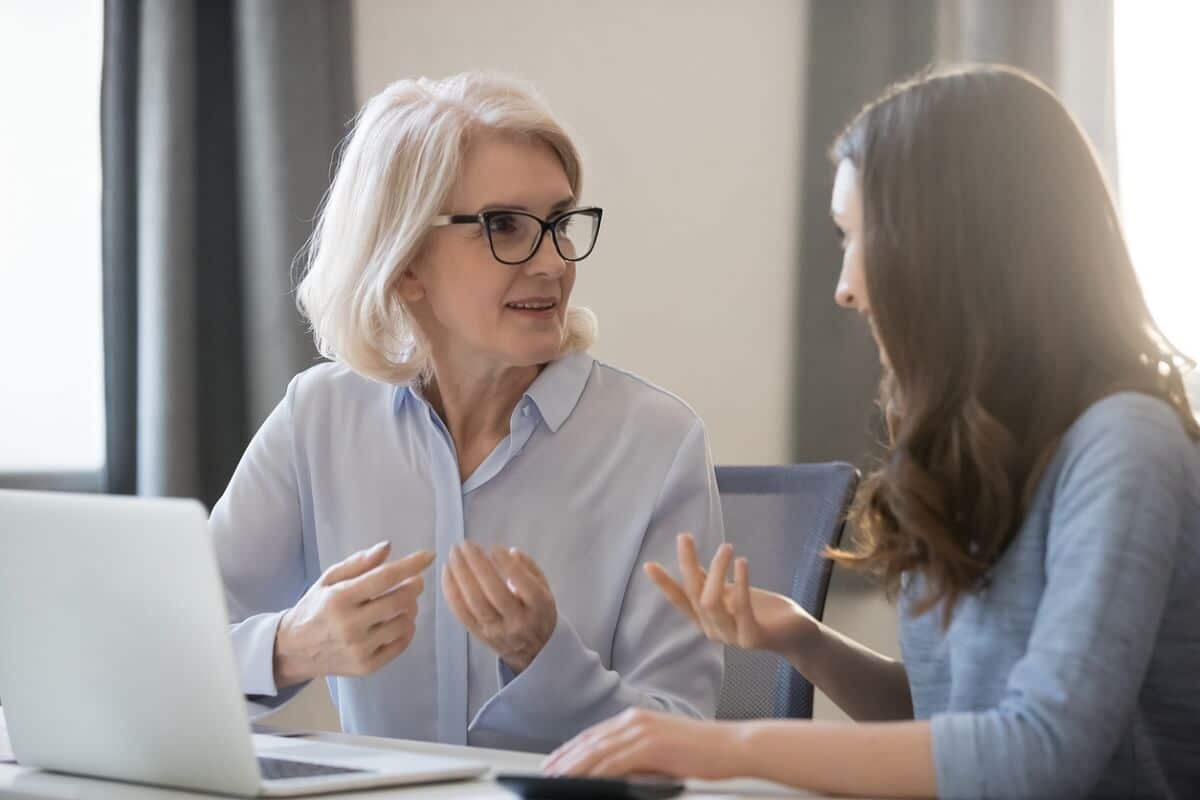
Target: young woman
1038 510
462 424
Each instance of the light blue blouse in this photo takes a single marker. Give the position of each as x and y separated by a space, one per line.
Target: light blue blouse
598 474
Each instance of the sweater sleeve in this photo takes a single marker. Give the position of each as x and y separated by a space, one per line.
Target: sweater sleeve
1114 526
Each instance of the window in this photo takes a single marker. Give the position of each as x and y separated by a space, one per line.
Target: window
52 376
1158 143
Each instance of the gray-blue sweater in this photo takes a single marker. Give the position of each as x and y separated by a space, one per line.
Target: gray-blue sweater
1076 672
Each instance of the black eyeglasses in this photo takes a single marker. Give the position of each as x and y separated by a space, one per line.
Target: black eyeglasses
515 236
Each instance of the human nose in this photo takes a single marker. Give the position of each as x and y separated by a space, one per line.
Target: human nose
844 294
546 260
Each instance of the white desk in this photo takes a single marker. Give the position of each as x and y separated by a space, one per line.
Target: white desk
23 782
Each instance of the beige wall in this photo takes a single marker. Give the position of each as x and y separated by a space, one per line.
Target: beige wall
688 114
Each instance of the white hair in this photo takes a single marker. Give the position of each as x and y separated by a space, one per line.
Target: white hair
397 168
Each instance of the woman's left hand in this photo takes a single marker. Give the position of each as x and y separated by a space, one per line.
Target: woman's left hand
641 742
504 600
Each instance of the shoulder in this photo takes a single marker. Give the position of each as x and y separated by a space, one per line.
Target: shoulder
332 386
643 404
1131 428
1125 440
1128 414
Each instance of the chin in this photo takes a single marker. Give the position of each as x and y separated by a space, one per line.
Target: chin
527 348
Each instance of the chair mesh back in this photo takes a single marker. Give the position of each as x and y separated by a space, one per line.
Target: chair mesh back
780 518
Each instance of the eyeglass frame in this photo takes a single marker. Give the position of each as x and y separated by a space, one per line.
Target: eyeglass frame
483 217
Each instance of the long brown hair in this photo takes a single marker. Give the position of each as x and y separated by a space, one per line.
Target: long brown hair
1004 297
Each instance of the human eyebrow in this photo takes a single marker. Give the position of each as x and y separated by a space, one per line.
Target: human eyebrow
559 206
504 207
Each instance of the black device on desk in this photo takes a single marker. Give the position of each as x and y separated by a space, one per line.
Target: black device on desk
542 787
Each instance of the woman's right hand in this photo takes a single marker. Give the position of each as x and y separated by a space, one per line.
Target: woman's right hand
357 617
733 613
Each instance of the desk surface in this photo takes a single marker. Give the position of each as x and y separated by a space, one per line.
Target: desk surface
25 782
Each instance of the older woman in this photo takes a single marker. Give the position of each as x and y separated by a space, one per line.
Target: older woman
463 425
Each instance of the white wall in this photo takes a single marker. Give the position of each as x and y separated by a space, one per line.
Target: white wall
688 115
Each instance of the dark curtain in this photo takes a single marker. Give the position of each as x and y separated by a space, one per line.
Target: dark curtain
219 122
855 49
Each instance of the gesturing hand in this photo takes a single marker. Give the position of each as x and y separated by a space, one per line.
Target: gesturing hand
357 617
732 613
504 600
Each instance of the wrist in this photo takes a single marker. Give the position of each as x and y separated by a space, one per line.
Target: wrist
520 659
802 642
734 750
516 664
286 666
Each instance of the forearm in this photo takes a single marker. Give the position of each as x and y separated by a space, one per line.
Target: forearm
881 759
866 685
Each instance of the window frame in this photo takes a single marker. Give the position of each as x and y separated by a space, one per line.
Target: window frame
88 481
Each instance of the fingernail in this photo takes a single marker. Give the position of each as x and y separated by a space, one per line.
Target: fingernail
378 546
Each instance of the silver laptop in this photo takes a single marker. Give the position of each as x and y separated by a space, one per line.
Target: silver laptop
116 661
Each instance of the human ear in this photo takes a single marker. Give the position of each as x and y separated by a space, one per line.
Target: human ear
409 287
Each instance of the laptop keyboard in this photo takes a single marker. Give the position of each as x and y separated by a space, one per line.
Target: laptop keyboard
278 769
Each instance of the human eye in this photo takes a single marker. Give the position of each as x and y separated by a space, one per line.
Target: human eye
564 224
503 224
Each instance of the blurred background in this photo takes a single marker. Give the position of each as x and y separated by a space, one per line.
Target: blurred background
163 160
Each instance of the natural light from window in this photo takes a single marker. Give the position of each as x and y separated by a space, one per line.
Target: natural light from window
51 393
1158 155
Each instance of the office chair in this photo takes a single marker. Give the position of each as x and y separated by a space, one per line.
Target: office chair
781 518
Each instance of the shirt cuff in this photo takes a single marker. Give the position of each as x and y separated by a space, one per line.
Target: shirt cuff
254 647
520 710
956 758
562 630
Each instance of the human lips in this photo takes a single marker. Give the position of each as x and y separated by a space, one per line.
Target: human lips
533 305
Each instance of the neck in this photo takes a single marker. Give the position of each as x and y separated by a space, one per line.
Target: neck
476 402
